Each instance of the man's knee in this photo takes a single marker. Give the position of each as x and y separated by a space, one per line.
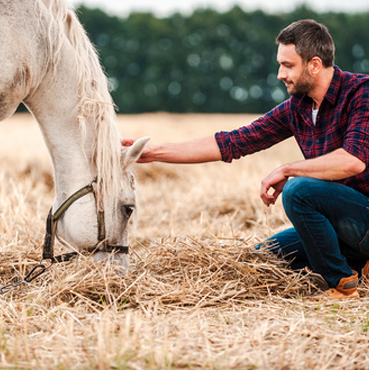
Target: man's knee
299 188
293 188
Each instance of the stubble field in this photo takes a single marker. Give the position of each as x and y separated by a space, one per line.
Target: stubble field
197 296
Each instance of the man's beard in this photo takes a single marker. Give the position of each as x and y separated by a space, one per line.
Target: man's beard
302 86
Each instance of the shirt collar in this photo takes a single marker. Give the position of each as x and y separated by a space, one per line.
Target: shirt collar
334 87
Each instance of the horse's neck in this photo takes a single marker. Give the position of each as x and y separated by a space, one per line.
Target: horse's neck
54 105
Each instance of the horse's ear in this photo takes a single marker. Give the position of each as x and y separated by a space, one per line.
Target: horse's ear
132 153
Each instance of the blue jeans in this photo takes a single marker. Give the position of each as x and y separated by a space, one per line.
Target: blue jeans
331 228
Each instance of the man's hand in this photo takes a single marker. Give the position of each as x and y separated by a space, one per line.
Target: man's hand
276 180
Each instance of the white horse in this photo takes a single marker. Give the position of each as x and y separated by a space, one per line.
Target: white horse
48 63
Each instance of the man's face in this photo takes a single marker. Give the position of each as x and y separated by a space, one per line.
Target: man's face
293 71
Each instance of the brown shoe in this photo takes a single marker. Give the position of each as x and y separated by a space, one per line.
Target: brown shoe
346 289
365 273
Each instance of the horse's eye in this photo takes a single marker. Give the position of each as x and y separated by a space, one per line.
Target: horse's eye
128 209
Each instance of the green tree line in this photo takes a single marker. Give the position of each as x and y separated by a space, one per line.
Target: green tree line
208 61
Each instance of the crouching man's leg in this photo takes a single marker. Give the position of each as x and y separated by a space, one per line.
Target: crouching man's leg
324 213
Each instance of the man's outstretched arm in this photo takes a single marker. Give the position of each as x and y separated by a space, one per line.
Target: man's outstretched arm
200 150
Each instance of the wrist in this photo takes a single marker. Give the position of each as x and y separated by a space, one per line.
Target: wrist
286 169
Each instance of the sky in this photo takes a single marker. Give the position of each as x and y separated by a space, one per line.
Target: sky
164 8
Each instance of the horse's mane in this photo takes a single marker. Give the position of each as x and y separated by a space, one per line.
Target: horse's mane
95 102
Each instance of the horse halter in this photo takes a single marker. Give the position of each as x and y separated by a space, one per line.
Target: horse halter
51 224
48 249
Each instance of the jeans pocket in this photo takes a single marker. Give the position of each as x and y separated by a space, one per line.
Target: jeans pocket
364 244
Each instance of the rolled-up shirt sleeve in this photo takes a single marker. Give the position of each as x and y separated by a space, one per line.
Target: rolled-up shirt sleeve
259 135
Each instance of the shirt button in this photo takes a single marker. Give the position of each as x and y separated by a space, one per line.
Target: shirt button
317 141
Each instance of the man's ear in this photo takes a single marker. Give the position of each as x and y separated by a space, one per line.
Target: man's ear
133 152
315 65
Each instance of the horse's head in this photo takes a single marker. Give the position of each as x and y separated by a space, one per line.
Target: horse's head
102 224
118 211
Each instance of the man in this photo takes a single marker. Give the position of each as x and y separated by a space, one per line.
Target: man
327 198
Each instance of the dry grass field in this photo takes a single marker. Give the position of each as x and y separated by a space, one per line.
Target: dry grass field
197 296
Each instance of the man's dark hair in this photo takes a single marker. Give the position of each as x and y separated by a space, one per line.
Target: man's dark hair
311 39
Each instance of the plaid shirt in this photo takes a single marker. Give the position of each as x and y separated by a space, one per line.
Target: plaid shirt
342 122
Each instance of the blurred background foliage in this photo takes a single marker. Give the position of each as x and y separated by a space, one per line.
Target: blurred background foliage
208 61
